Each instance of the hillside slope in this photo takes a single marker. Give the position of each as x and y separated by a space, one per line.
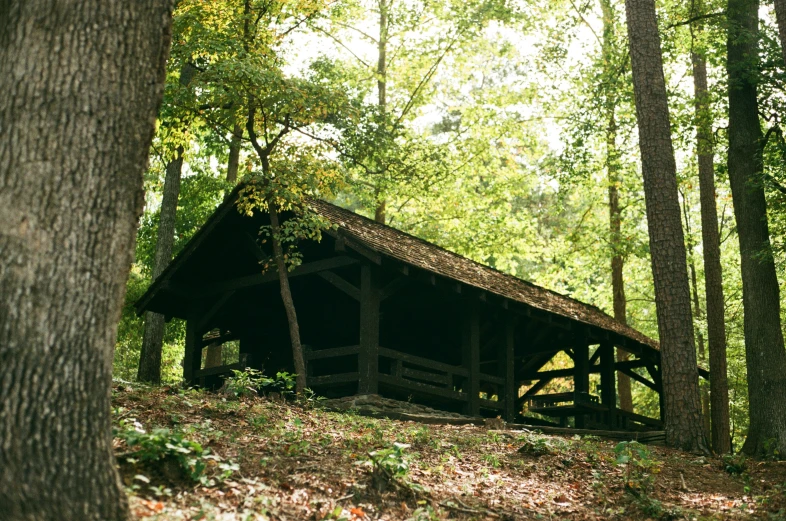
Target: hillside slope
193 455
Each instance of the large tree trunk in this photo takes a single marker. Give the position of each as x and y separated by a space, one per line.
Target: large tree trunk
713 273
289 304
764 348
669 270
382 100
614 181
153 338
81 83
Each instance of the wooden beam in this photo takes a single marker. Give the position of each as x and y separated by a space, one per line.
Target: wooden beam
470 356
608 381
424 362
492 404
636 376
253 246
192 358
630 364
596 355
214 309
415 374
220 369
532 391
393 287
332 352
581 372
341 283
510 387
343 242
423 388
261 278
368 358
330 379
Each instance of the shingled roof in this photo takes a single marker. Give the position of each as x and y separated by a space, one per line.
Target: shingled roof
388 241
409 249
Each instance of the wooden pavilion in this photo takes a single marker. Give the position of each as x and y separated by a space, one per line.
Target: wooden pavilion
381 311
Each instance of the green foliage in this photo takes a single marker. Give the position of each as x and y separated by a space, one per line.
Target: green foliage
392 460
390 467
250 381
639 466
735 464
161 445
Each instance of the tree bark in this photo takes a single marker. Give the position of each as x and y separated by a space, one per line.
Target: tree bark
615 214
382 71
81 83
780 17
234 153
764 348
669 269
153 338
713 273
289 304
694 285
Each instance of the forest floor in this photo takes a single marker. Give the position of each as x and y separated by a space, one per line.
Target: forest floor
194 455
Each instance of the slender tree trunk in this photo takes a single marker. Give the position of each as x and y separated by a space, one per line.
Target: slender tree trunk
617 260
77 112
713 273
382 71
667 245
705 392
234 153
289 304
153 338
615 214
764 347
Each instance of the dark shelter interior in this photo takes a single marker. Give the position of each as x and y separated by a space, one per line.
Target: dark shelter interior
383 312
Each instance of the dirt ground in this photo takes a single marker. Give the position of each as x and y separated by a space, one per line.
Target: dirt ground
193 455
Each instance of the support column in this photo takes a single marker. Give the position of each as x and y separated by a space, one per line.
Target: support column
608 387
508 373
470 357
368 358
192 359
580 374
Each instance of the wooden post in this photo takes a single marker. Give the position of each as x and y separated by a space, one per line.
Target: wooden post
192 359
580 373
368 358
470 357
608 388
510 383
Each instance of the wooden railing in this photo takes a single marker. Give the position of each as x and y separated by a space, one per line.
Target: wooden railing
409 373
331 379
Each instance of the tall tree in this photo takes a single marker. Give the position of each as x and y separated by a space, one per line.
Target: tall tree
713 274
153 338
764 347
74 142
667 245
611 73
